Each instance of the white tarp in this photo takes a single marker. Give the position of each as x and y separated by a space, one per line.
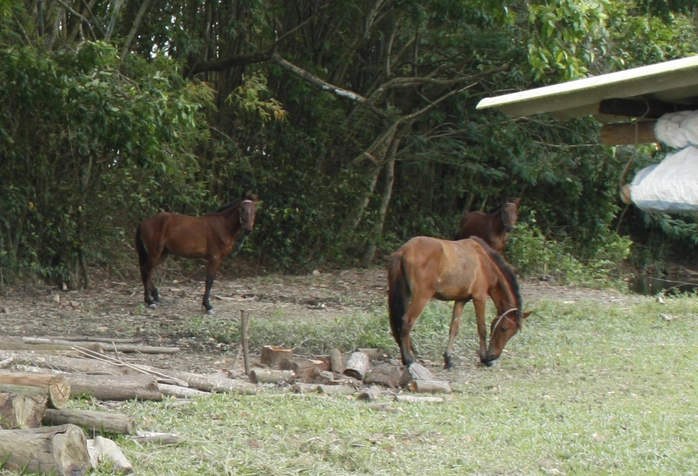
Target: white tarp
671 185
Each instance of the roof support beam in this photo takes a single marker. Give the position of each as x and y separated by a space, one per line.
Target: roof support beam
628 133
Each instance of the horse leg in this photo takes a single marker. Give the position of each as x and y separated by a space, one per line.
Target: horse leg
211 270
480 309
414 310
455 325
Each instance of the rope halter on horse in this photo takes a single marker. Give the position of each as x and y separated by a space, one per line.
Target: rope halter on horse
502 317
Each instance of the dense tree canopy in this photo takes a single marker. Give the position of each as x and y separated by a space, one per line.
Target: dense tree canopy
354 121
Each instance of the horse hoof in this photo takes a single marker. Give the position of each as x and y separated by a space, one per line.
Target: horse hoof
153 306
210 312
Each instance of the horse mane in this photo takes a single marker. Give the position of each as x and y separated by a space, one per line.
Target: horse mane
497 209
229 206
509 274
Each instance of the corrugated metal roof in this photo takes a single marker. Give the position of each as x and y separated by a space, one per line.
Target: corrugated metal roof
674 82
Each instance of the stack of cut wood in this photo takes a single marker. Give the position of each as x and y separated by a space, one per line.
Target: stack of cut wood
40 375
340 374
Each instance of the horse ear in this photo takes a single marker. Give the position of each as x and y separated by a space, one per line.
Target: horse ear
517 201
526 314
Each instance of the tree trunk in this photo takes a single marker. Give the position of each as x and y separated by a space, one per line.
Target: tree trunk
60 450
134 28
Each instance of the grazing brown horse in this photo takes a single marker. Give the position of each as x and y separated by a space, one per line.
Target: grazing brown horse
493 227
429 268
210 237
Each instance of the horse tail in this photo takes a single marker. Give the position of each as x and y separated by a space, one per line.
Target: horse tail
140 247
398 295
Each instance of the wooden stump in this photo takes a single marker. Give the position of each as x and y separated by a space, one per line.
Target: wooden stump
56 387
92 421
272 355
60 450
337 361
21 411
357 365
386 375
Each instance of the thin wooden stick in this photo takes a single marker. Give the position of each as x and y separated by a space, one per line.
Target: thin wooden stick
244 328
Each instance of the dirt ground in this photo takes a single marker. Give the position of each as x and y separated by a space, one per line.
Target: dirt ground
114 309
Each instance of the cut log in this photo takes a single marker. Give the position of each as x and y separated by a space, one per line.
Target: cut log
415 371
64 363
60 450
15 343
272 355
7 362
92 421
181 392
370 394
206 382
116 387
54 386
337 389
298 365
337 361
418 399
429 386
357 365
386 375
103 450
271 376
373 353
21 411
160 438
107 340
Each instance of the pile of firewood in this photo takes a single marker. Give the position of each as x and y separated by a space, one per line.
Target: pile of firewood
365 372
38 377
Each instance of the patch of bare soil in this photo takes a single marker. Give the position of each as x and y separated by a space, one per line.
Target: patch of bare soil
115 309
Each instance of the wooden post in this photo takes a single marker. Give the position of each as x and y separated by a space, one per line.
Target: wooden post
244 329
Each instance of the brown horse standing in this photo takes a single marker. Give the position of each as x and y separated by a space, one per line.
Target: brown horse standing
493 227
210 237
429 268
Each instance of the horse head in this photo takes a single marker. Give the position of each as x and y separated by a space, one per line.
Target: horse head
247 211
510 214
503 328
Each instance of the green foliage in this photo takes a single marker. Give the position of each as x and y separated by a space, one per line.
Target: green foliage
534 255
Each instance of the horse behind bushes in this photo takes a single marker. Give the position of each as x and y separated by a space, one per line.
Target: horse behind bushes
493 227
210 237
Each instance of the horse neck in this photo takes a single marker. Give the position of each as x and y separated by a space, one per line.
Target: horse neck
232 218
505 299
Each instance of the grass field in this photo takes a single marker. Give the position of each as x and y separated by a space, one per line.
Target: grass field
587 388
